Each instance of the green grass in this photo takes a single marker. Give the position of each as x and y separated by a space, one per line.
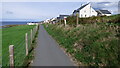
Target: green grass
91 44
0 47
15 36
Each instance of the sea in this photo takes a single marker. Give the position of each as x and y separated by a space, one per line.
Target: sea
3 23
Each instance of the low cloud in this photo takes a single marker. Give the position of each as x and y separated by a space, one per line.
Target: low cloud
9 12
111 6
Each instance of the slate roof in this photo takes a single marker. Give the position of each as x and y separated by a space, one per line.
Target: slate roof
98 12
105 11
62 16
80 8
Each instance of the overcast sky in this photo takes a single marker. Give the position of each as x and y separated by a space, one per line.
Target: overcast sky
38 10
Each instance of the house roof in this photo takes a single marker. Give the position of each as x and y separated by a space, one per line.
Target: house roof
104 11
62 16
80 8
98 12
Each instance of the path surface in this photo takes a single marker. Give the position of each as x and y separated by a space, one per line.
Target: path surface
48 53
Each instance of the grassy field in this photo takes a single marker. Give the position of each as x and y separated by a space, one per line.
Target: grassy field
95 44
14 36
0 47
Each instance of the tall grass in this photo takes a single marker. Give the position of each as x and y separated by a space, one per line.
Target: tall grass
106 19
14 36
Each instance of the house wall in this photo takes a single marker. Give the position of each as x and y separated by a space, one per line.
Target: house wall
107 14
32 23
87 11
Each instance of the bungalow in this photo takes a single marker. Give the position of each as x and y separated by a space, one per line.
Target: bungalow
103 12
85 11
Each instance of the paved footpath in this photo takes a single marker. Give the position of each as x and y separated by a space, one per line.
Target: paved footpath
48 52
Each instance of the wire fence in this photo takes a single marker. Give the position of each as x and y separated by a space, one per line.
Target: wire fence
20 49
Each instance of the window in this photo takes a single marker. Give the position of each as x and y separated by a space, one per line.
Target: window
81 15
85 15
84 11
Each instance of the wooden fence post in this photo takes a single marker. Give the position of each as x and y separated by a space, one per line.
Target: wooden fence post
36 28
77 15
26 41
65 20
31 36
33 32
11 52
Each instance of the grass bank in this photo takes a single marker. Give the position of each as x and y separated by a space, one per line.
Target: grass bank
71 20
90 44
15 36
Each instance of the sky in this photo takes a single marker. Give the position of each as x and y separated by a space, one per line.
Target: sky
34 10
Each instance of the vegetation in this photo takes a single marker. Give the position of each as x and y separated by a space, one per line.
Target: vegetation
92 44
106 19
0 47
15 36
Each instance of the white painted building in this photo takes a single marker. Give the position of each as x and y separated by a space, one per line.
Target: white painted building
32 23
85 11
47 21
53 19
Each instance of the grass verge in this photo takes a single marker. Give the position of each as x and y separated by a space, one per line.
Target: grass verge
90 44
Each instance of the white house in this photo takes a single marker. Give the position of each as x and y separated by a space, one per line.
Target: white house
32 23
85 11
53 20
47 21
103 12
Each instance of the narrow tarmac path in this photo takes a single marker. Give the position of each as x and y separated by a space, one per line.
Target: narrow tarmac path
48 52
